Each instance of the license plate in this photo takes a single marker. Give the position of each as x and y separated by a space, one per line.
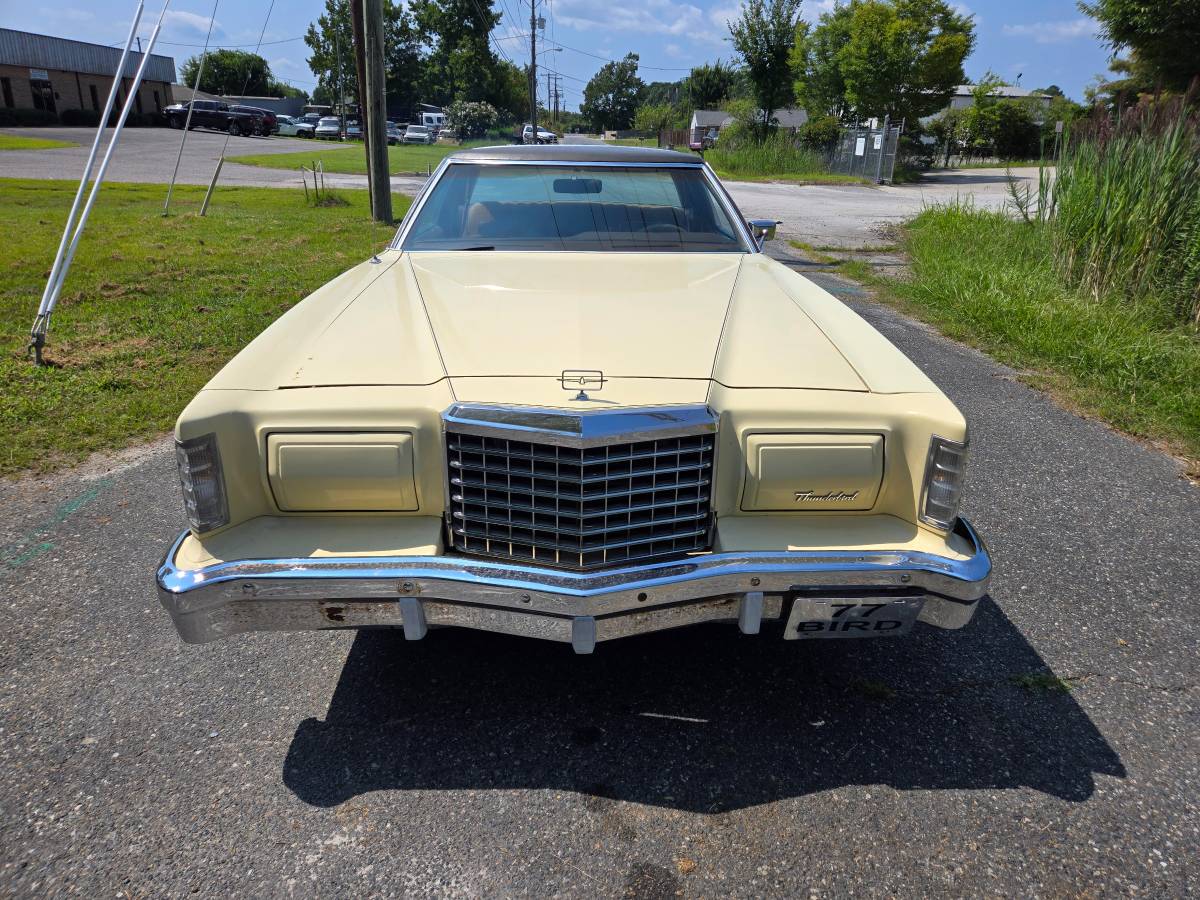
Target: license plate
851 618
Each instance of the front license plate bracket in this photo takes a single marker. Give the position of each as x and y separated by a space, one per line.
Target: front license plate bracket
824 618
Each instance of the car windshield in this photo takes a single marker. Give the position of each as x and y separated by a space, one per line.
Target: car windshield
573 207
332 123
418 128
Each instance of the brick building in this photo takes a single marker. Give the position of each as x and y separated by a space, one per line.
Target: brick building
56 74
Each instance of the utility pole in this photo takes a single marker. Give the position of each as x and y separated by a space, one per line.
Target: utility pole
360 57
549 91
374 115
533 67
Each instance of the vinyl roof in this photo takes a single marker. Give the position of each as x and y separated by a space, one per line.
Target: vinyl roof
577 153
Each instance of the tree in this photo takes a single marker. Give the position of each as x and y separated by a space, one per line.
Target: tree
654 117
460 64
708 86
330 40
901 58
764 36
611 97
231 73
819 83
657 93
510 92
1160 35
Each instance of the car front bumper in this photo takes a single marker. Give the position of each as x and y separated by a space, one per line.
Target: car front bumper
580 608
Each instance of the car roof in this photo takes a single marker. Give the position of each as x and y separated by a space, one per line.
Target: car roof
576 153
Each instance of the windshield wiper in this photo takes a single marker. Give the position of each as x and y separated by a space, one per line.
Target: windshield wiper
480 247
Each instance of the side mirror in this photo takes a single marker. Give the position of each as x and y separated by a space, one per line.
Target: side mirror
763 230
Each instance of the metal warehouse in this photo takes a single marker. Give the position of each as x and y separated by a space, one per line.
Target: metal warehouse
55 74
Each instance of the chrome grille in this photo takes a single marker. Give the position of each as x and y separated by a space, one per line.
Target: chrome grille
536 499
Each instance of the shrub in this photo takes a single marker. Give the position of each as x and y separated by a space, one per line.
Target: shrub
653 118
77 118
471 119
27 118
820 133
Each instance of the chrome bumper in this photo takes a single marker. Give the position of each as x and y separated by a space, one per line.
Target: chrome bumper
578 608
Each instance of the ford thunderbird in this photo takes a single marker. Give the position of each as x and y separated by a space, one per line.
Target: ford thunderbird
573 400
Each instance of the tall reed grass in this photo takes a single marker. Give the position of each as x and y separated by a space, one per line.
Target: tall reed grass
777 155
1124 207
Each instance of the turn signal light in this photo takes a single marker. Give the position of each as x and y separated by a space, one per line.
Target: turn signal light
945 471
203 483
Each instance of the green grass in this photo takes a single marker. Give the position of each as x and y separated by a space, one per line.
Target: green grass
986 279
351 160
775 159
635 142
152 307
20 142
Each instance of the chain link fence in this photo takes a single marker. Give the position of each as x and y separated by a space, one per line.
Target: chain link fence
866 152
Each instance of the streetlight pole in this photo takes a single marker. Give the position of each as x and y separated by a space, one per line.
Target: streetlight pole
533 67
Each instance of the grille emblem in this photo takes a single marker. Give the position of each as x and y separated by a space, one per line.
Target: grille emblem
582 379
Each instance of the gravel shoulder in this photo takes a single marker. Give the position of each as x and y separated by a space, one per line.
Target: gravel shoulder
700 762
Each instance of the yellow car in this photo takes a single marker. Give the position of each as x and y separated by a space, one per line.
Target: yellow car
574 400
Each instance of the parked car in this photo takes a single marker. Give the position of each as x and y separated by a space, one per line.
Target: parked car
543 136
394 134
291 127
329 129
205 114
354 130
654 425
311 118
418 134
250 120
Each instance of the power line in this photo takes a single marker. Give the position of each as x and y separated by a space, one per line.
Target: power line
610 59
225 46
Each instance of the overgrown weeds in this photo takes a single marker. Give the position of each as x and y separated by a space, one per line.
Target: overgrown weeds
994 282
1126 206
777 155
1123 208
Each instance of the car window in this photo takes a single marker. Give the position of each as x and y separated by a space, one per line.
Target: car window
567 207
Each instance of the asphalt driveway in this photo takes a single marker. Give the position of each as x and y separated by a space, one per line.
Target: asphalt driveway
694 763
147 155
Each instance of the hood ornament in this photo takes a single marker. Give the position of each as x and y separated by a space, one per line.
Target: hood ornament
570 379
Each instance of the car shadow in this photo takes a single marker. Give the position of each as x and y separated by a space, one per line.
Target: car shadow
702 719
964 178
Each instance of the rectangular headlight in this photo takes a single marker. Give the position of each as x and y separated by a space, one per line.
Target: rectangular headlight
942 490
203 483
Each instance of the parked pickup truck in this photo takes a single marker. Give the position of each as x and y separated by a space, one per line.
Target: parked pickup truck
220 116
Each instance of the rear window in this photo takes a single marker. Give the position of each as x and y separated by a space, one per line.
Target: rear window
564 207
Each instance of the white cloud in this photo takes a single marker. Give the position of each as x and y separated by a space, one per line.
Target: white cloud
722 15
674 51
812 11
68 14
1054 32
647 17
187 24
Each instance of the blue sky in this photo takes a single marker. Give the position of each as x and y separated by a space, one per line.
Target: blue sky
1042 41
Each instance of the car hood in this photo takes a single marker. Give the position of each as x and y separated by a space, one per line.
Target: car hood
504 327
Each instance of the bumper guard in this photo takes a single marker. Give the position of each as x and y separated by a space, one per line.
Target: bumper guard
415 592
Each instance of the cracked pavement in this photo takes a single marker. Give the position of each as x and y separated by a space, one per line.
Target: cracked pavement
693 763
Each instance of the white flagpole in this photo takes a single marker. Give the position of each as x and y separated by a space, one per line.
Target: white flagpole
42 325
38 332
191 106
